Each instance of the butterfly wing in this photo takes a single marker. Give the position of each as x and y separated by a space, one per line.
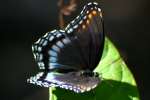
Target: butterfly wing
66 55
56 51
89 33
74 81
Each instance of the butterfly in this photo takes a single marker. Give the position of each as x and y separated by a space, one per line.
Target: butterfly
66 58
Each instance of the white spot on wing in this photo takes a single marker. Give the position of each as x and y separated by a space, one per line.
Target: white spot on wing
87 12
48 36
58 35
73 22
70 88
84 7
67 27
82 12
53 85
84 17
95 3
45 84
65 86
37 41
94 86
34 56
53 31
37 55
40 64
81 22
39 83
51 38
40 57
39 75
62 31
32 48
45 43
76 26
99 9
82 91
71 30
41 41
76 90
68 32
39 48
31 81
45 35
77 17
88 89
89 3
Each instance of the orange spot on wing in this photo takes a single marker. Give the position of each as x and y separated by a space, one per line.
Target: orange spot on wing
90 16
94 12
83 26
101 14
87 22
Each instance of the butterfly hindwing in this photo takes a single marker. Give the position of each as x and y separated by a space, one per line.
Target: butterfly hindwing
43 48
75 81
52 52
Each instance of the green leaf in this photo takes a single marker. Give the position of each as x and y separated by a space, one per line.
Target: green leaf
117 81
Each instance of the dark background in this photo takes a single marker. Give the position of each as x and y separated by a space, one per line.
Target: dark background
22 21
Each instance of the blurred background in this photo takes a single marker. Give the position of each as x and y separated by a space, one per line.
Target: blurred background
127 24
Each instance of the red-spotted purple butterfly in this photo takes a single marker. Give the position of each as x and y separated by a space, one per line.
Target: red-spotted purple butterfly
68 57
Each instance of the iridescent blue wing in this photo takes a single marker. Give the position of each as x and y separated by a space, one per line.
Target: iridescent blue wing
68 57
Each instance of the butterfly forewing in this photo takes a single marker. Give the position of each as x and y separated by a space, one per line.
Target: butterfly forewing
87 28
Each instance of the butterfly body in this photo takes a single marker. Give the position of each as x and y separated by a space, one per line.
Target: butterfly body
68 57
